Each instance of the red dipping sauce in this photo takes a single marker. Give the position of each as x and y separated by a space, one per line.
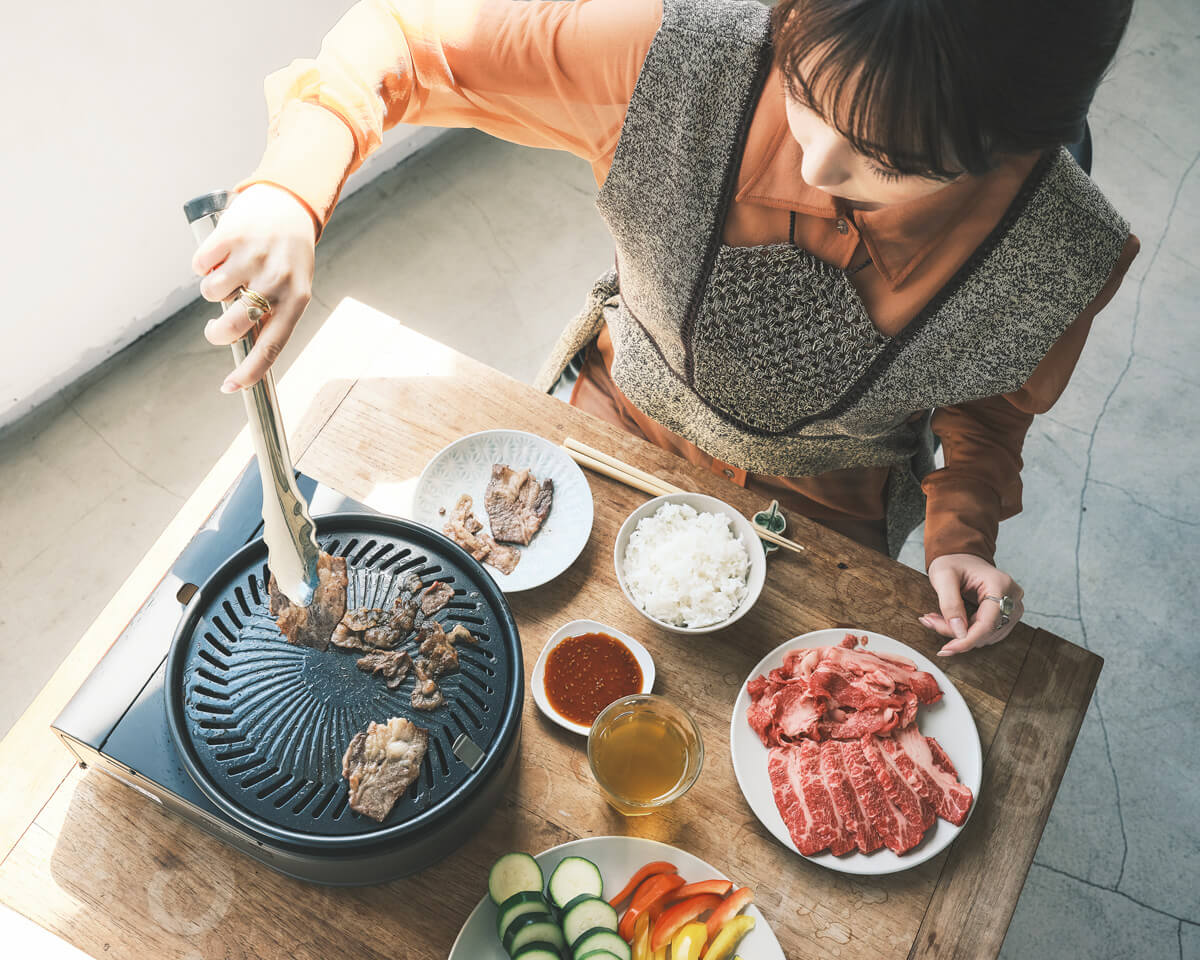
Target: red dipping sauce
585 674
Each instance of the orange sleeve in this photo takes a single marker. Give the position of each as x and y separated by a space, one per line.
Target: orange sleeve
980 485
542 73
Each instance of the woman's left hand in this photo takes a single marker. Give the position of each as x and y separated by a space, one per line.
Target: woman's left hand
958 575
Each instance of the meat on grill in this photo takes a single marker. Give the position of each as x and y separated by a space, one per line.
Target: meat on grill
438 650
368 628
404 610
435 597
466 530
426 695
393 664
516 504
848 766
312 626
380 764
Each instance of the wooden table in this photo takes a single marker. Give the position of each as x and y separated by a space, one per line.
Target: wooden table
106 870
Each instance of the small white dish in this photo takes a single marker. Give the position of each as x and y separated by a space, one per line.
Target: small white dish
701 503
465 466
949 721
574 629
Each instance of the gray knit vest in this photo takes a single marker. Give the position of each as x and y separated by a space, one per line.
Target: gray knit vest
764 356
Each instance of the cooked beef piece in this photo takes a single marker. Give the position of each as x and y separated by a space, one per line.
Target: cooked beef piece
381 762
426 694
460 634
435 596
516 504
393 664
367 628
404 612
464 529
412 583
312 626
441 657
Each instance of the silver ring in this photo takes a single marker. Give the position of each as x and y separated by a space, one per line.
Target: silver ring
1006 609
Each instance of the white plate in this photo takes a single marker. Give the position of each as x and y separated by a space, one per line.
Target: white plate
618 859
949 721
574 629
465 466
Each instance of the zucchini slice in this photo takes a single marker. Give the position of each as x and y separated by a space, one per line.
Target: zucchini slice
571 878
587 913
538 950
533 928
600 955
518 905
514 873
594 941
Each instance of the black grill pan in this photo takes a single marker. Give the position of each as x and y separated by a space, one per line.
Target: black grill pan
262 725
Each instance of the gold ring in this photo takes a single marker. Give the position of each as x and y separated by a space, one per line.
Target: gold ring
257 306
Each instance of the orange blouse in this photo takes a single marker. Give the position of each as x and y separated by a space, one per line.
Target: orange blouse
560 75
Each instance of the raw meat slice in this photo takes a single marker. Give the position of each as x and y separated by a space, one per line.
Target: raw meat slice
881 813
852 820
914 813
435 597
783 767
797 712
826 824
930 772
312 626
381 762
516 504
393 664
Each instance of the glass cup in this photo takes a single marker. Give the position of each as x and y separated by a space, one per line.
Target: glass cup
645 751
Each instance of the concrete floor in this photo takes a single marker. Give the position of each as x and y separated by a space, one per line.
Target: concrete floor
474 231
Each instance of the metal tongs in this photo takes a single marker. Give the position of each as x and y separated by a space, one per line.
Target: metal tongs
287 526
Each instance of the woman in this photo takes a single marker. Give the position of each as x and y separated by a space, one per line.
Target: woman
843 228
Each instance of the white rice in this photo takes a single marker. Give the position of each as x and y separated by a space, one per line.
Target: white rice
686 568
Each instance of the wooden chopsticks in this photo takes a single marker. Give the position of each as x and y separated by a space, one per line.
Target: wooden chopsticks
600 462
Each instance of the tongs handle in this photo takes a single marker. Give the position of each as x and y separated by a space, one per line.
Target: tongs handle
287 526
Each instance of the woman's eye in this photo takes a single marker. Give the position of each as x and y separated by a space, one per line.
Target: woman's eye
886 175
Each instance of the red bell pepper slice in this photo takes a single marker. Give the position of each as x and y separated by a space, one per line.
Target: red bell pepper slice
649 870
650 897
674 918
730 907
719 887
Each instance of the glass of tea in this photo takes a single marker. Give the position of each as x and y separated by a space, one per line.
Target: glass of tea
645 751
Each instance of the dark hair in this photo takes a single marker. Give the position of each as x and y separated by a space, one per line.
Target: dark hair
941 87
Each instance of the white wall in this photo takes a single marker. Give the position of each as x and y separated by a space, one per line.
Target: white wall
114 115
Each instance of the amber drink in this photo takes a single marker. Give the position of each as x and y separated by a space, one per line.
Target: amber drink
645 751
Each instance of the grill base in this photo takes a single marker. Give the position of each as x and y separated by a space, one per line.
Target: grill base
115 723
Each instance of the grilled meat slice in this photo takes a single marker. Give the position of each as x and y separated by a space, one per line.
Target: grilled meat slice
312 626
465 530
516 504
460 634
404 611
381 762
435 597
368 628
440 655
426 695
393 664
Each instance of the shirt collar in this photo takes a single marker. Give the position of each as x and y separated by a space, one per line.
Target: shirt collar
898 237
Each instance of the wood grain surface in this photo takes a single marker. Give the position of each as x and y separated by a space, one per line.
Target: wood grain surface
112 873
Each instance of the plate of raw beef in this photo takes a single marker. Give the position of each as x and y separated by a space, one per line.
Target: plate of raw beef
855 751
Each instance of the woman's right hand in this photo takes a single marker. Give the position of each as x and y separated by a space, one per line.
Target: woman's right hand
265 242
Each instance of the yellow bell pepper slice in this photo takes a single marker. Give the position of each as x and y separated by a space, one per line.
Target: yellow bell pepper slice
728 937
689 942
661 952
641 938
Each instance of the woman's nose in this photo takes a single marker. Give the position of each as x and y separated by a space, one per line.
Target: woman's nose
822 165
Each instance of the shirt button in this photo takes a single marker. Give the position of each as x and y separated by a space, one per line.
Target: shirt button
728 473
843 227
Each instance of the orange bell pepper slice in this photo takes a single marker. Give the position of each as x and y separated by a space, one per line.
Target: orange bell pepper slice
649 870
641 938
730 907
675 916
719 887
650 897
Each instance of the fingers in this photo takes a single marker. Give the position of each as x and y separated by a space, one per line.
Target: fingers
986 628
231 326
273 335
947 581
213 251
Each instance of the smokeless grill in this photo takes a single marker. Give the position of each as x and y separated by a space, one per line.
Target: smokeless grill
209 711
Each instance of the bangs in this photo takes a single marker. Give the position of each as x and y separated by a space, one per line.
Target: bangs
881 73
